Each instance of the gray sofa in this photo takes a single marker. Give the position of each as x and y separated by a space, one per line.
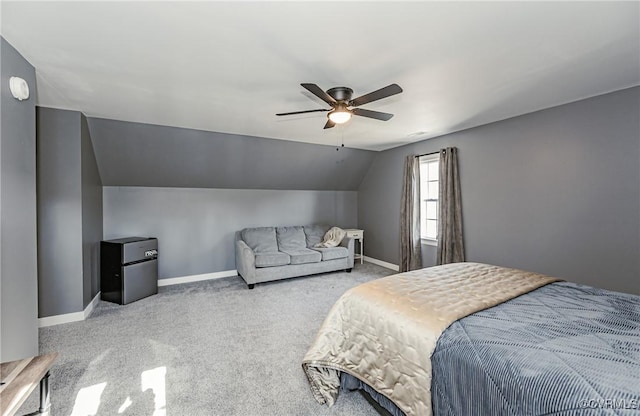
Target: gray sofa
264 254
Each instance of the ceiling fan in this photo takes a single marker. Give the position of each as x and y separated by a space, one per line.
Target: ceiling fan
339 98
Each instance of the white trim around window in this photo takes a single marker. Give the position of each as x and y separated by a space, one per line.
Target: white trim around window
429 193
429 242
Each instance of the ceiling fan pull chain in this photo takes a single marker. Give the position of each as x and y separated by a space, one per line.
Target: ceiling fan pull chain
340 140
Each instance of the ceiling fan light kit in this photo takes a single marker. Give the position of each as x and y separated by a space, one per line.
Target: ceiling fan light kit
339 98
340 115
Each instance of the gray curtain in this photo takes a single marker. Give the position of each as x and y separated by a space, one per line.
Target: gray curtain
450 244
410 256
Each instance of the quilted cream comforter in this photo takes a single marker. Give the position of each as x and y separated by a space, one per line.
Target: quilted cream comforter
385 331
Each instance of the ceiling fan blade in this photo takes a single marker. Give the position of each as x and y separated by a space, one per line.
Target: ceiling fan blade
300 112
372 114
318 92
329 124
385 92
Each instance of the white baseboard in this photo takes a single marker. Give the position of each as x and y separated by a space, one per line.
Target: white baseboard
382 263
91 306
81 316
60 319
197 278
69 317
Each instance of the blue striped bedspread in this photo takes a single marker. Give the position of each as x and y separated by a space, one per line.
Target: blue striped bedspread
563 349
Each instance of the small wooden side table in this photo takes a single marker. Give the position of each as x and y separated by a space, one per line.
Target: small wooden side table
357 235
19 378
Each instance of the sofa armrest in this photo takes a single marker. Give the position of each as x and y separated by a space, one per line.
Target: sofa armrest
349 243
245 262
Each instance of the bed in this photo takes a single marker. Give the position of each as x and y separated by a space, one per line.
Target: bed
470 338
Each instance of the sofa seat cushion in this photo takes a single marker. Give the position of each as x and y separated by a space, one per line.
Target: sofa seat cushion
261 239
315 234
304 256
271 259
291 238
332 253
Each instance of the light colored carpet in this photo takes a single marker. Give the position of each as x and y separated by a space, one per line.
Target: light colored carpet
206 348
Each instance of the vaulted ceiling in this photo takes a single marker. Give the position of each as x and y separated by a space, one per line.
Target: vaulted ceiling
231 66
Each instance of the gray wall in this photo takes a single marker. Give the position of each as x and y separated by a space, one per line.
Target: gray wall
59 212
18 265
69 213
556 191
91 215
196 227
194 189
135 154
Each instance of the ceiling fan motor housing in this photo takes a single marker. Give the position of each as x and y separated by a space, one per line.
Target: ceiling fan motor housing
340 93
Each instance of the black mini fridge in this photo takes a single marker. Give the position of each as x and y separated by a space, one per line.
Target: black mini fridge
128 269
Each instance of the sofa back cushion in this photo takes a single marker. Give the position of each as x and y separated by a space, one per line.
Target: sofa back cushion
290 238
260 239
315 234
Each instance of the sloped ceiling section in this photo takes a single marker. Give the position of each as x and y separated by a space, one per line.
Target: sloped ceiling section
136 154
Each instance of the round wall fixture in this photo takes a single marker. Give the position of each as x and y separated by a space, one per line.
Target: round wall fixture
19 88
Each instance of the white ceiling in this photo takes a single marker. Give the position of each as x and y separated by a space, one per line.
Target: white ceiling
230 66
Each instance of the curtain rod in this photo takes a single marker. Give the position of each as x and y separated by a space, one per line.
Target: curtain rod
428 154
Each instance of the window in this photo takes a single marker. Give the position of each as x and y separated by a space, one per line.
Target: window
429 168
